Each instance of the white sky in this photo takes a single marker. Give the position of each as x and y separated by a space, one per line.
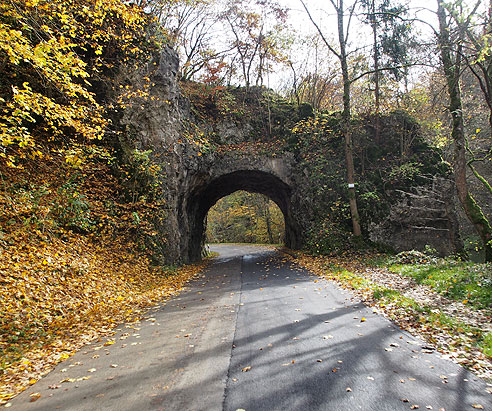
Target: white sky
324 14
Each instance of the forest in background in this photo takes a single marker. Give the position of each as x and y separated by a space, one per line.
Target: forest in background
244 217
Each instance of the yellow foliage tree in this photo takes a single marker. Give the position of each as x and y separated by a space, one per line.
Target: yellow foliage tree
56 56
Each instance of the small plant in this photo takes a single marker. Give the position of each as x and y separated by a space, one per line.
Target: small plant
405 173
140 176
410 257
71 208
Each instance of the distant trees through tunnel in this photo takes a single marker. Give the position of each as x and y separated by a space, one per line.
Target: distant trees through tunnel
209 190
244 217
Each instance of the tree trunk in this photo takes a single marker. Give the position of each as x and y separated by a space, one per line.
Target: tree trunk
268 220
452 73
349 158
376 73
345 123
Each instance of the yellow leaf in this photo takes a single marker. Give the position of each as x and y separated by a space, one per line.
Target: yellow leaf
34 396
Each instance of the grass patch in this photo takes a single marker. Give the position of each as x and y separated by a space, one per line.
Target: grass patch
461 281
486 344
381 293
432 319
439 328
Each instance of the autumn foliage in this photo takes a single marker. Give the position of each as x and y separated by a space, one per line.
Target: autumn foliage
72 264
57 63
74 229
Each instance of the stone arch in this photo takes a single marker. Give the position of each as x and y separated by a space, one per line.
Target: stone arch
204 197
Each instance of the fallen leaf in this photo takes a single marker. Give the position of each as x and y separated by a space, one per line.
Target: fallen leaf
477 406
414 407
34 396
246 369
91 370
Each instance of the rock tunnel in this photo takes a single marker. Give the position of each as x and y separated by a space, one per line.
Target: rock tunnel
205 196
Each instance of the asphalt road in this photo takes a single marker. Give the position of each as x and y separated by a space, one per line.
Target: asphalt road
255 333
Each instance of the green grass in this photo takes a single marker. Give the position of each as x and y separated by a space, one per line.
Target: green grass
486 344
435 319
417 313
462 281
455 279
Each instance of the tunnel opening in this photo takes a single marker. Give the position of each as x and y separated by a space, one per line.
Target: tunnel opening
244 217
208 193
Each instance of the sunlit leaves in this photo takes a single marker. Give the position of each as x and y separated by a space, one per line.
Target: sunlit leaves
53 51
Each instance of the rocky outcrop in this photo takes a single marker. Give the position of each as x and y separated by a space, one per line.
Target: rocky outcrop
423 217
192 179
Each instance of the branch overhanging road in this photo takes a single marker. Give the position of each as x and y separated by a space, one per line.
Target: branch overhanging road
256 333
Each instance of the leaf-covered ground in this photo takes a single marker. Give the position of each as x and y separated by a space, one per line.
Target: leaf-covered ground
459 330
59 294
73 264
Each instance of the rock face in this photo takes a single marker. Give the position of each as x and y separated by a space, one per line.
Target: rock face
423 217
192 181
220 176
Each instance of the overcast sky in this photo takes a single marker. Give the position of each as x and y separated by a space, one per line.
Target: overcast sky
324 14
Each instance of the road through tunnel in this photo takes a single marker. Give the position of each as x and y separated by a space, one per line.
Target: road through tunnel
204 197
